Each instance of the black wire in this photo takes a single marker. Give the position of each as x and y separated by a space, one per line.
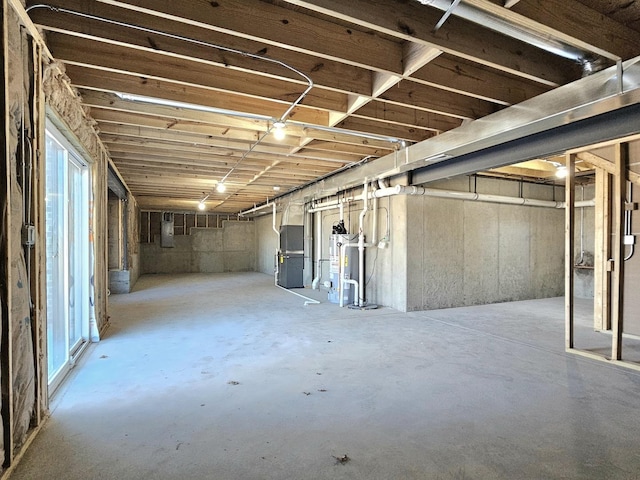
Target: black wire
374 268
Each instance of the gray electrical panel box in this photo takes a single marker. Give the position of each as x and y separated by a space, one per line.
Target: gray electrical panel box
291 256
166 231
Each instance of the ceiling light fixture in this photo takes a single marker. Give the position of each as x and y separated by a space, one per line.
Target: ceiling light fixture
201 205
221 187
561 172
279 132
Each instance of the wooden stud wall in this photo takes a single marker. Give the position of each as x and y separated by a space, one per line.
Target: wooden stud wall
619 184
183 222
602 253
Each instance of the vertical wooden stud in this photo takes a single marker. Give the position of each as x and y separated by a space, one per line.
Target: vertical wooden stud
38 251
602 254
569 248
619 184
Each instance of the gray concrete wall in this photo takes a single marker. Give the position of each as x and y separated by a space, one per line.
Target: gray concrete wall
470 253
444 253
231 248
585 217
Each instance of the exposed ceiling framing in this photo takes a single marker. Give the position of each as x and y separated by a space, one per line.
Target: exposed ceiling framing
381 77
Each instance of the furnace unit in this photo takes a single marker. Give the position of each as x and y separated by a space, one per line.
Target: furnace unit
291 256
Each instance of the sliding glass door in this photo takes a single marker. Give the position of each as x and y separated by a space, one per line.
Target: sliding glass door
67 237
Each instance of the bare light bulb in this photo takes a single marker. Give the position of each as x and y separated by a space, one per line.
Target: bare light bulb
561 172
221 187
201 206
278 131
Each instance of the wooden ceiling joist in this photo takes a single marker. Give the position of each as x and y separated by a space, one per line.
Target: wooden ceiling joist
381 77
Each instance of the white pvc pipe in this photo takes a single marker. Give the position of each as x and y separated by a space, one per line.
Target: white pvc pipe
308 301
352 282
316 281
343 253
277 269
480 197
255 209
374 236
365 208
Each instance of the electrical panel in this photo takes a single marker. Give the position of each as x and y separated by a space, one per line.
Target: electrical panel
166 232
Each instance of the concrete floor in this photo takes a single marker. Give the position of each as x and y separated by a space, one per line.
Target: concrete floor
227 377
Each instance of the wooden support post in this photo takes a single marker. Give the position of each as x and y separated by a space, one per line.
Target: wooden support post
38 252
569 233
619 184
602 254
6 347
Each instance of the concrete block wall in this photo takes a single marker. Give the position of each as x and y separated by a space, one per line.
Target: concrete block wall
231 248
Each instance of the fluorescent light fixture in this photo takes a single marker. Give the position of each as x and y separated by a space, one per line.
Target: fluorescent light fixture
221 187
188 106
276 188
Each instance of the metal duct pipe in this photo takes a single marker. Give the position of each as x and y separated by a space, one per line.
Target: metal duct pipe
556 45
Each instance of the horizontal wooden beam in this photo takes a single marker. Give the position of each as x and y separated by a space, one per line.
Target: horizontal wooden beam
607 166
413 134
141 135
118 143
277 26
414 22
113 82
425 97
98 61
326 73
391 113
576 20
469 78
